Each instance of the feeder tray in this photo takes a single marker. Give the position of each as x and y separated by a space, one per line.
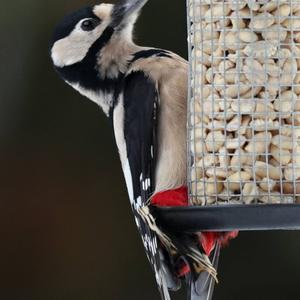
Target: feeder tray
243 117
229 217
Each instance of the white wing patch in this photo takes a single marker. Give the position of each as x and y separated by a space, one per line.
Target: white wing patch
139 202
146 183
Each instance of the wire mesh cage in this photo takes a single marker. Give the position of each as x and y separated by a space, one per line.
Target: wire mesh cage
243 117
244 114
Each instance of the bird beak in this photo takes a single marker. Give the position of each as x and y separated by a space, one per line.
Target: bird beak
124 10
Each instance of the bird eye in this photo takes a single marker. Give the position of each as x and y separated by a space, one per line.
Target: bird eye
89 24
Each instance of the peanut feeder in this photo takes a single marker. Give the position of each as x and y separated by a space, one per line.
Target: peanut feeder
244 115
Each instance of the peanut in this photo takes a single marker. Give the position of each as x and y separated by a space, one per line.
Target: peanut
261 50
213 187
259 143
235 143
281 13
261 21
236 180
217 172
237 4
263 170
216 12
238 159
292 172
214 141
283 142
267 184
281 155
284 104
275 33
253 5
249 192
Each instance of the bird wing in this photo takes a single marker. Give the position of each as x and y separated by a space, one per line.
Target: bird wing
140 104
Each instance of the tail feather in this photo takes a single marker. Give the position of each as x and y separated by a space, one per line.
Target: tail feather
202 287
164 291
170 278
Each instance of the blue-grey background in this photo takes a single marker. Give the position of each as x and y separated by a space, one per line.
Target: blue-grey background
66 230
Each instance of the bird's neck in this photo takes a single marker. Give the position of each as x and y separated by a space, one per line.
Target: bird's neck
112 64
99 78
114 58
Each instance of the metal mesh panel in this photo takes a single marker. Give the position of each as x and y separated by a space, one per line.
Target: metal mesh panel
244 109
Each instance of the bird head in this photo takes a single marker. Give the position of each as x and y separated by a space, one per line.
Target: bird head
91 49
93 27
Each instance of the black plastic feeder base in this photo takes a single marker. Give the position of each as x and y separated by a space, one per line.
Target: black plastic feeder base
229 217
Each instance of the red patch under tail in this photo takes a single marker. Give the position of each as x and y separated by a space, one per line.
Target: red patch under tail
208 240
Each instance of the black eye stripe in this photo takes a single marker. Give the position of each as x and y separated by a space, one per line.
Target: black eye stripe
90 24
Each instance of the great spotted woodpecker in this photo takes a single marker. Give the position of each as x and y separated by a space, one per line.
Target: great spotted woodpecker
143 91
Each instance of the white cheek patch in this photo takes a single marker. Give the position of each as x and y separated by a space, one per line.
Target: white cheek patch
73 48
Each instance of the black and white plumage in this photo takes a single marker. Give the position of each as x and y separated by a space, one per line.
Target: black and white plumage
139 136
143 91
